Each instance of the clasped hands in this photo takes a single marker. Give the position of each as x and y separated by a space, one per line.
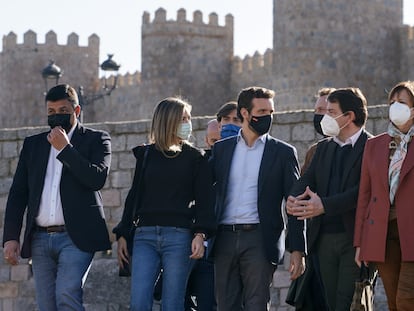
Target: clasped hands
306 205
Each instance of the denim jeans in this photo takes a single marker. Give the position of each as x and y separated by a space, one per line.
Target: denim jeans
157 248
59 270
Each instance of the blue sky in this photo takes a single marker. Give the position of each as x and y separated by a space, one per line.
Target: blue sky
118 23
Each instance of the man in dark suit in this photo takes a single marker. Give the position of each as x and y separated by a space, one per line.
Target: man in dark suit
57 180
254 173
326 195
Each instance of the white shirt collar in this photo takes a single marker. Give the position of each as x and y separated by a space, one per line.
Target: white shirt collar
350 140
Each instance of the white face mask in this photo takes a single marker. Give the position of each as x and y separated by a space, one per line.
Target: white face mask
399 113
184 130
330 126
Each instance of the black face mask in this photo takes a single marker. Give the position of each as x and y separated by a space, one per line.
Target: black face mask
60 119
261 125
317 118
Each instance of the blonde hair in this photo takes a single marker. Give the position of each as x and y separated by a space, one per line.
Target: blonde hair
167 118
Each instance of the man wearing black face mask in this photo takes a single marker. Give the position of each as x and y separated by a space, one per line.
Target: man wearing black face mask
58 178
320 110
254 173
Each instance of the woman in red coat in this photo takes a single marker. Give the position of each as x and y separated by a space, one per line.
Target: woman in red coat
384 223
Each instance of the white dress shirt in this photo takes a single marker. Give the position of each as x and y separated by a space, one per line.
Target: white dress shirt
50 209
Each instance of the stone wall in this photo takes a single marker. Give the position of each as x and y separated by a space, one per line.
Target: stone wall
315 43
332 43
189 58
104 289
407 45
21 85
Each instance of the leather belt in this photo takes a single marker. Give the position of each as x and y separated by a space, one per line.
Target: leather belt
238 227
51 229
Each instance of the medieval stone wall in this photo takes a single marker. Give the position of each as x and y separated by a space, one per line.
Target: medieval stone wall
104 290
335 43
316 43
192 59
407 57
21 85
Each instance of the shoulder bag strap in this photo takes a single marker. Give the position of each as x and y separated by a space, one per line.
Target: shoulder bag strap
137 197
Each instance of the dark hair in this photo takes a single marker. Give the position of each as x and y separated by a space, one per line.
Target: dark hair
351 99
404 85
226 109
63 91
247 95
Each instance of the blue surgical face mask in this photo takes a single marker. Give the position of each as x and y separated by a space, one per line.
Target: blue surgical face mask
184 130
228 130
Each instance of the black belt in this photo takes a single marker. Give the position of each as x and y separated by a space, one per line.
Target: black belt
51 229
238 227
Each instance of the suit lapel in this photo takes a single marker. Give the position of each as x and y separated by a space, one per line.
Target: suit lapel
327 166
41 159
77 135
383 160
408 163
42 152
76 140
269 154
227 156
354 156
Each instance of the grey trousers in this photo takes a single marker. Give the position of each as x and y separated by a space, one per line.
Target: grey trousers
243 275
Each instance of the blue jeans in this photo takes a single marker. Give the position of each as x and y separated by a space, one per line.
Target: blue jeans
58 268
156 248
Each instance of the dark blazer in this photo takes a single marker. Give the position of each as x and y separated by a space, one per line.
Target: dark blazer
86 165
317 177
279 169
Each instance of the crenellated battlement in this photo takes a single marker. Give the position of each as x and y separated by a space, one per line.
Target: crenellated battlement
128 79
193 54
183 26
254 63
30 41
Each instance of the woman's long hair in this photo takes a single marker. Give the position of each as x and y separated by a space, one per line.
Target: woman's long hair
167 117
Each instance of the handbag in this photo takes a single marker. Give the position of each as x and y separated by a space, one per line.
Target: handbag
363 299
136 190
307 293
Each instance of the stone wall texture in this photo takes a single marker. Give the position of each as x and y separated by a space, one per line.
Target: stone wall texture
104 290
316 43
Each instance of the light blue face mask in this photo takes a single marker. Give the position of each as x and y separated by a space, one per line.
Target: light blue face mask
184 130
228 130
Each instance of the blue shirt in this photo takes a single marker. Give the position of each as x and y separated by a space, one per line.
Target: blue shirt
240 205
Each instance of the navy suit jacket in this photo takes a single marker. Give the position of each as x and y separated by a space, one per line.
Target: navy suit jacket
317 177
279 169
86 165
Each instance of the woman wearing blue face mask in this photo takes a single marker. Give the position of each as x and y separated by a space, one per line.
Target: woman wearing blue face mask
384 223
175 209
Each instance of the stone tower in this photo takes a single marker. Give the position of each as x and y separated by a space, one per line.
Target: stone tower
21 85
186 58
335 43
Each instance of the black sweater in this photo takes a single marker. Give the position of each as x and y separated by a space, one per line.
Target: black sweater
176 192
